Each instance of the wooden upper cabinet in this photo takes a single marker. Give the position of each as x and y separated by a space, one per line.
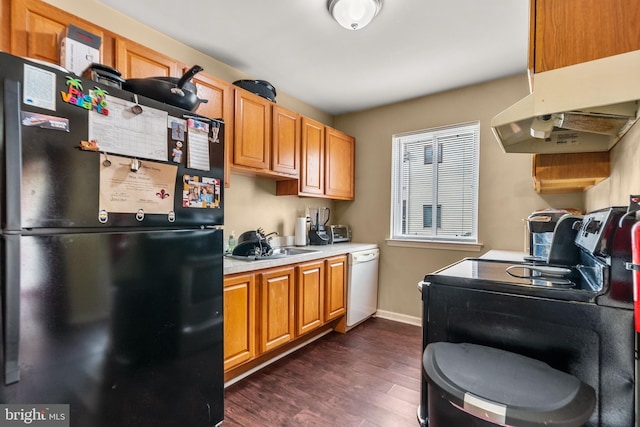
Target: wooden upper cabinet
36 28
312 158
285 142
569 172
219 96
339 161
252 130
568 32
134 60
220 104
327 164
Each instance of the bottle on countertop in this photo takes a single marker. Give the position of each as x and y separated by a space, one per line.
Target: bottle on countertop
232 241
300 238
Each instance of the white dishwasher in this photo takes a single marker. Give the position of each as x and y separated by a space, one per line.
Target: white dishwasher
362 286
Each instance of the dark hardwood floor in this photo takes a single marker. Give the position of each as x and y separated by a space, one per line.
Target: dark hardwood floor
369 376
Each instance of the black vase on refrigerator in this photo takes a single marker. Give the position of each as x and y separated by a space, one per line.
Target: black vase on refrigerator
111 252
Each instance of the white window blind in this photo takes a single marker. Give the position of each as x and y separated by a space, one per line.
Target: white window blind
436 200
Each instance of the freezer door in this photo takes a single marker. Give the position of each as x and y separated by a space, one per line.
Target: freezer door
50 182
126 328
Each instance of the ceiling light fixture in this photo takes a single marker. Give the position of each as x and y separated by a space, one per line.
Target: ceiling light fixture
354 14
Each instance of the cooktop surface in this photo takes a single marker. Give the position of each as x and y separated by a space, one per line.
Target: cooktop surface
566 283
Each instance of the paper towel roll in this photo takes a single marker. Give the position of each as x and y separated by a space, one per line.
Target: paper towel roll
301 232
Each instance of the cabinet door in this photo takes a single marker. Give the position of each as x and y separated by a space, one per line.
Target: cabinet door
36 28
339 165
239 319
309 284
252 141
569 172
219 96
569 32
335 287
5 26
285 145
276 308
134 60
312 156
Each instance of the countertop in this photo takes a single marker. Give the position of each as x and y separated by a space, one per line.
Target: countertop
232 266
497 254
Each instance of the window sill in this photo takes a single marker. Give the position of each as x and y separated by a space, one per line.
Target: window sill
447 246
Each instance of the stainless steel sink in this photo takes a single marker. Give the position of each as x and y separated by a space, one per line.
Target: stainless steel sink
284 252
290 251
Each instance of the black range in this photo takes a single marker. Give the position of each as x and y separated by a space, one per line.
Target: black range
577 318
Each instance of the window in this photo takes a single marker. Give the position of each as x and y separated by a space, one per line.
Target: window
428 154
427 216
443 193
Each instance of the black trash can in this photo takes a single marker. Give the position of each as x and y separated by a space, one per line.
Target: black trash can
475 386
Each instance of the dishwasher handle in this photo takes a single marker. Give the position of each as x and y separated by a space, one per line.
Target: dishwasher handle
359 257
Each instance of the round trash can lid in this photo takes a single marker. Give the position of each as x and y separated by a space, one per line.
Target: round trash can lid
527 389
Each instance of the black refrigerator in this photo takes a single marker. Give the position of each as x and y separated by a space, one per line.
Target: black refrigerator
111 254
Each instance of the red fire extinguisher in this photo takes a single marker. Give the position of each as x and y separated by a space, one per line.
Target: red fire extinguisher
635 266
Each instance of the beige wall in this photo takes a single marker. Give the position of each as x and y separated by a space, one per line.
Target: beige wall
251 203
625 174
506 194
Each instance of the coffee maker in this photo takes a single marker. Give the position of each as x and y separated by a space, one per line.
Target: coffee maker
541 225
318 219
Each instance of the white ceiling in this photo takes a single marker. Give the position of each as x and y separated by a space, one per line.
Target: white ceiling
412 48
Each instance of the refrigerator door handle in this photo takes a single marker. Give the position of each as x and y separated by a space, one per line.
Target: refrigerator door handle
11 308
13 155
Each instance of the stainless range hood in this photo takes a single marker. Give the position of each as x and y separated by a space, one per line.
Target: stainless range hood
586 107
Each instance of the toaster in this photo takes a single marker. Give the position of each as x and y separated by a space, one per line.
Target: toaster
339 233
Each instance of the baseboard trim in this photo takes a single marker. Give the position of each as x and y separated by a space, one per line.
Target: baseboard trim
390 315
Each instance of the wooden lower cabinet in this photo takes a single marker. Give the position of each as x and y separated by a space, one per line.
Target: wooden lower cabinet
267 311
239 319
277 293
335 300
309 295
